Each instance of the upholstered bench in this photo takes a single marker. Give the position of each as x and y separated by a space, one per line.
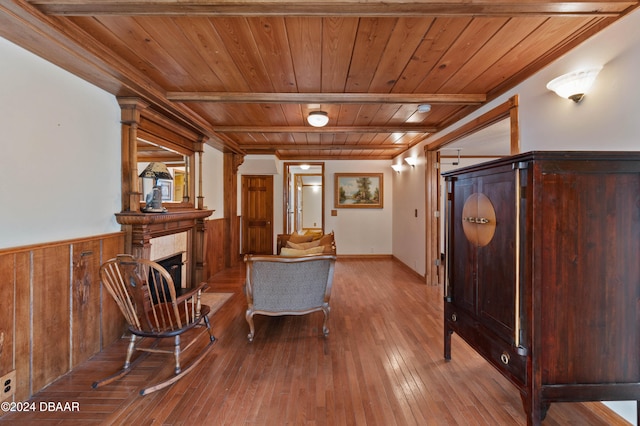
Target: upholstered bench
281 285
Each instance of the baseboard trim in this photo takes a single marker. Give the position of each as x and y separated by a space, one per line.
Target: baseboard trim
410 269
363 256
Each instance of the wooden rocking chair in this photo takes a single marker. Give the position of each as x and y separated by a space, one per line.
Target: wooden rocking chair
145 293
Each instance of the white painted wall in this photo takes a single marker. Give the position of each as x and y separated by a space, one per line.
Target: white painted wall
409 231
360 231
59 153
311 206
607 119
213 181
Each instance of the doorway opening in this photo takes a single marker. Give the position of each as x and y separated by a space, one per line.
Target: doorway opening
303 197
492 135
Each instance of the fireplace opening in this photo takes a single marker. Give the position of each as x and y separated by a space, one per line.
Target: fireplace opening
173 265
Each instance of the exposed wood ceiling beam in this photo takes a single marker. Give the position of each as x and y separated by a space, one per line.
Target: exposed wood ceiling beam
293 157
306 129
332 8
324 147
328 98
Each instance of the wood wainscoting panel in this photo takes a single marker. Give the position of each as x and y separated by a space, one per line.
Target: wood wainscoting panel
50 314
7 294
21 325
85 300
112 322
214 244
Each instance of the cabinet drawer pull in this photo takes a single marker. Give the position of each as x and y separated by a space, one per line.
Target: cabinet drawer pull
478 220
504 358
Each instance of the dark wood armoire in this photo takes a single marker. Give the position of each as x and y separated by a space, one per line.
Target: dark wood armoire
543 273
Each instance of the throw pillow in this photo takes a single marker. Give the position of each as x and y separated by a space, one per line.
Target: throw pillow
315 234
299 238
303 246
286 251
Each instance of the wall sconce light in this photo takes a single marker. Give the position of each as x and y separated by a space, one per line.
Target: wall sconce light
318 118
397 167
574 85
412 161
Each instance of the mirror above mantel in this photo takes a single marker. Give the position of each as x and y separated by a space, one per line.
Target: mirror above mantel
174 191
149 136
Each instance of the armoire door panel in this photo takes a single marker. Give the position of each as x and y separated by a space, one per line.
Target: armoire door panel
496 261
463 265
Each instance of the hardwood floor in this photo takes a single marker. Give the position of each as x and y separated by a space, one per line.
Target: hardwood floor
382 364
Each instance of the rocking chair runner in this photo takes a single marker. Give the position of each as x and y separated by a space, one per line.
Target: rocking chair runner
145 293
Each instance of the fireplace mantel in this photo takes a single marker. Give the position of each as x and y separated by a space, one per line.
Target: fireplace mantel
142 227
159 224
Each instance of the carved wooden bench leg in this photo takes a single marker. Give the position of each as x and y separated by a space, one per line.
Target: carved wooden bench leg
249 317
326 309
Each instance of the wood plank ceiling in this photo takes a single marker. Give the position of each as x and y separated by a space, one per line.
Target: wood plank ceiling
247 73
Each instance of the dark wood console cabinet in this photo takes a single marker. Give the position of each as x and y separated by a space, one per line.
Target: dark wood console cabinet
543 273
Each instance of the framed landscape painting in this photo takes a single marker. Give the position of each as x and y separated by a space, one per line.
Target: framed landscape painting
358 190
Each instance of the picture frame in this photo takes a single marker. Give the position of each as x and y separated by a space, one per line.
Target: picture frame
166 189
358 190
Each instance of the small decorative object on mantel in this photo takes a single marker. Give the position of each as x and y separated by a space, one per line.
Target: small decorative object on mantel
153 199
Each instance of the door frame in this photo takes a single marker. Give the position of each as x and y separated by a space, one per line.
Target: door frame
434 227
286 182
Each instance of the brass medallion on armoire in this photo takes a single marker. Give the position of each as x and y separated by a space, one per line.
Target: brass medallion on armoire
478 219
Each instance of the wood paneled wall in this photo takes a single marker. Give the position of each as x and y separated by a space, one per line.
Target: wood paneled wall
220 247
214 247
54 313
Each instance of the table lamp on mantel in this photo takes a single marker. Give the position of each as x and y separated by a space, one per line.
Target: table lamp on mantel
153 199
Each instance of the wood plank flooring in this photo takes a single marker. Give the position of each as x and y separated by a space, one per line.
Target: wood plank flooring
382 364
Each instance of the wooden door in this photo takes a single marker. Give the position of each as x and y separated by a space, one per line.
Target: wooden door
257 214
